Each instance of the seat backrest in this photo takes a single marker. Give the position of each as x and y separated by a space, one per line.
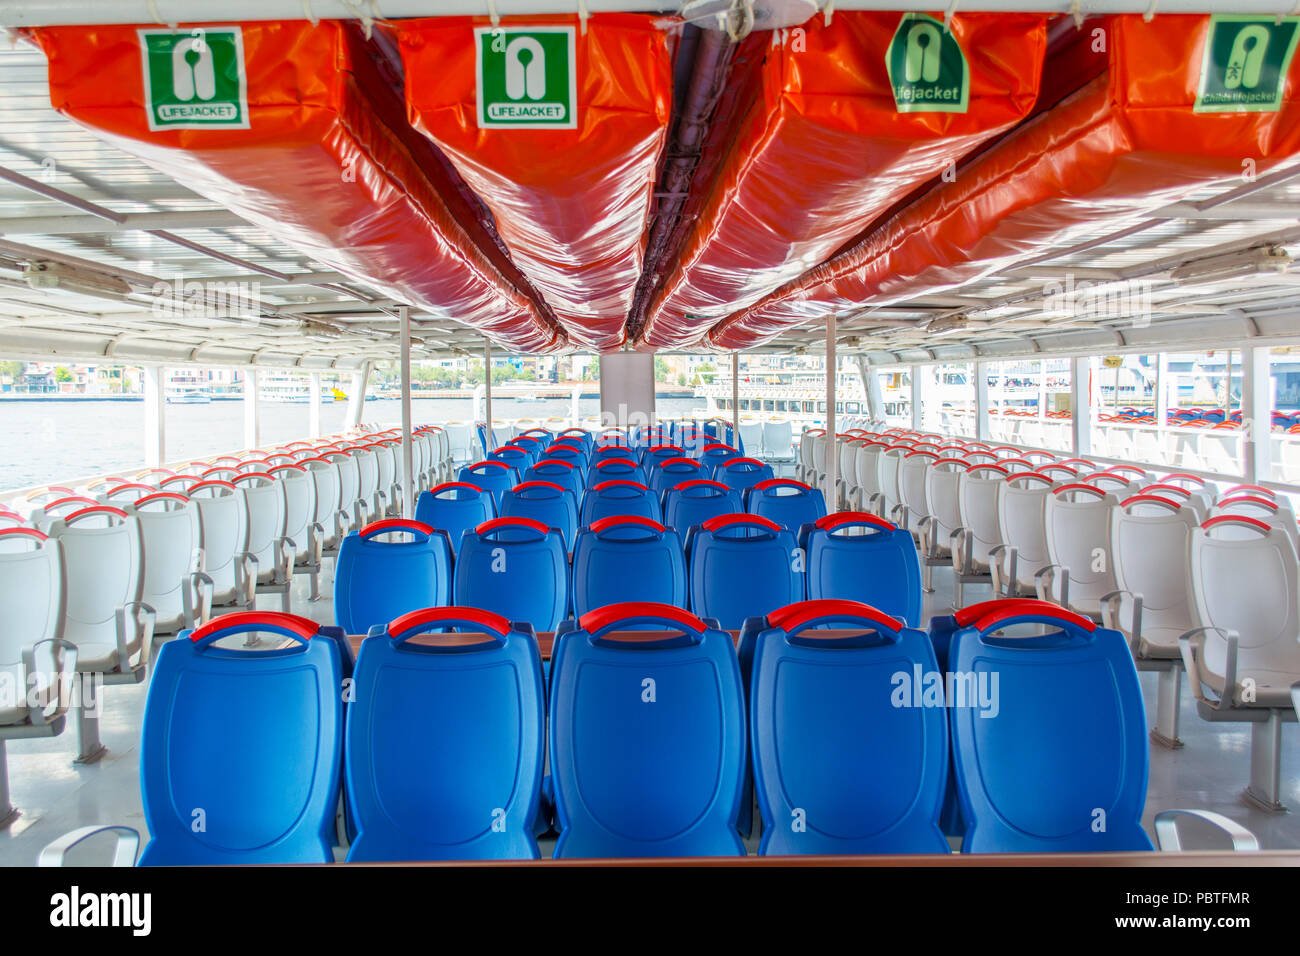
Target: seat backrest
324 476
1244 579
715 454
807 438
1076 519
912 472
390 568
888 464
855 556
349 478
223 517
103 562
942 479
1022 498
444 747
263 779
823 785
455 507
573 451
493 476
32 591
606 452
670 472
172 540
386 458
619 497
647 742
977 501
1275 511
653 455
777 439
566 474
1078 787
866 468
544 501
739 566
624 558
299 503
741 473
517 456
751 437
791 504
1150 537
517 568
694 502
367 469
267 516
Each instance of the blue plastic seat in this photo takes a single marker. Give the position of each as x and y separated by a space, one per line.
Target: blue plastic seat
566 474
877 565
691 437
626 558
695 502
647 743
619 497
494 476
623 469
714 454
531 444
671 472
376 580
654 455
517 568
544 501
742 473
646 437
848 755
543 435
455 507
1049 733
741 566
515 456
789 503
570 451
581 435
247 741
613 437
444 744
604 452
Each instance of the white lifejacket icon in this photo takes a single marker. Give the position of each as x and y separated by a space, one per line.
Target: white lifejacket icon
194 76
525 80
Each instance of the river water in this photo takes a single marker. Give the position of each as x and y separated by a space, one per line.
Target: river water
57 441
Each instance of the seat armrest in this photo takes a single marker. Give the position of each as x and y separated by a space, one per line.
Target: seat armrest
246 577
136 631
124 851
1110 608
67 669
995 567
1192 647
287 549
1167 839
198 599
315 543
1047 576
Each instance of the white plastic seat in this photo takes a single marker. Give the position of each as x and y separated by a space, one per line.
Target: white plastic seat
461 440
1023 552
103 562
943 515
223 521
1274 511
1243 656
270 551
980 532
778 441
912 472
888 464
36 663
368 490
174 585
349 487
388 496
1152 605
805 469
751 433
1081 571
866 475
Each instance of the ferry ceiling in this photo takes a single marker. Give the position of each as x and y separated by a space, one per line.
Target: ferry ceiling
280 182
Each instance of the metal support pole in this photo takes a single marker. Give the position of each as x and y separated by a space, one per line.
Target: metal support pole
252 417
735 399
155 415
832 447
487 395
982 407
408 464
1081 385
1256 415
357 395
313 405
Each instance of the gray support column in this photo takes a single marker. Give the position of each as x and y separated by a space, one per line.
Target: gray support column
313 404
919 374
252 410
832 390
627 389
983 409
1256 416
1082 404
155 418
408 464
735 397
487 393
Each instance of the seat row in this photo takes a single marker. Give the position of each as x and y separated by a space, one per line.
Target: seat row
729 567
853 730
